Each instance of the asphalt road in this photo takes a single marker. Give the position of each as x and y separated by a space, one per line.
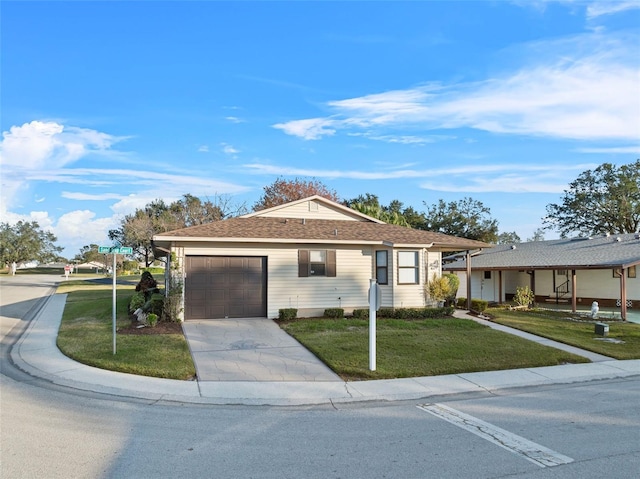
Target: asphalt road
590 430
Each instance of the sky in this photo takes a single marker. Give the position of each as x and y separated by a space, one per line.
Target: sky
107 106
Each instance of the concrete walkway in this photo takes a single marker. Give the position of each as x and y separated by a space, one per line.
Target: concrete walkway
37 354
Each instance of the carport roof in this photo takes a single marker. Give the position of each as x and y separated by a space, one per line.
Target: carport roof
295 230
603 252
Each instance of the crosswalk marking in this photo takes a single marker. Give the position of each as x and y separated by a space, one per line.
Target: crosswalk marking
531 451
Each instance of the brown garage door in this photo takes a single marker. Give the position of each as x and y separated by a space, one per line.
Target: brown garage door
225 287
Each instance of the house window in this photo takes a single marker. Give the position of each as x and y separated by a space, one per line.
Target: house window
561 272
631 272
382 267
487 275
316 262
407 267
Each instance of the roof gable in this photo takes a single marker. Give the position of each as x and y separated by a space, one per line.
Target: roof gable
313 207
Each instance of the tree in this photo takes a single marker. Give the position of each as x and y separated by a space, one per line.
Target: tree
466 218
538 235
284 191
26 241
605 200
88 254
137 229
369 205
509 238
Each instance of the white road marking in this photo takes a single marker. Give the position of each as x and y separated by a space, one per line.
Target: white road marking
531 451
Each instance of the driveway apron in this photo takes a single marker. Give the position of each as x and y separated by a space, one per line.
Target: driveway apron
250 350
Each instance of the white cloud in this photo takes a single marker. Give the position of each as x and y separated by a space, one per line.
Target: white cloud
203 149
81 227
234 119
229 150
614 150
310 129
89 197
41 146
572 88
511 178
600 8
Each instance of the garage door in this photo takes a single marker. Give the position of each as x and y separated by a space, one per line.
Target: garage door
225 287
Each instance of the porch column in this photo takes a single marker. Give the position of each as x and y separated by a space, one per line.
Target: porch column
468 260
574 291
500 287
623 294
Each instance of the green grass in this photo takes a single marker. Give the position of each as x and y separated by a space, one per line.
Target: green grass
419 348
86 335
560 326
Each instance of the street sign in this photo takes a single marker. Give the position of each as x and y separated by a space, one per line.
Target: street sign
115 250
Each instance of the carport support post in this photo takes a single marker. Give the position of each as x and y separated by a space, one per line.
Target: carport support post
468 261
374 304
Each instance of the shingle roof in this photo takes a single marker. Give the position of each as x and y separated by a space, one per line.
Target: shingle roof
578 253
263 229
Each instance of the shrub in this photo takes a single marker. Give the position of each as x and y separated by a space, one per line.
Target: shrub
286 314
156 303
137 301
454 283
524 296
361 313
476 304
152 319
334 313
439 288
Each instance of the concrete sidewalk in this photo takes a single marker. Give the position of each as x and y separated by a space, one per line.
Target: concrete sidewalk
37 354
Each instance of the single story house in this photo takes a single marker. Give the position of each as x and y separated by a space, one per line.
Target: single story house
311 254
576 271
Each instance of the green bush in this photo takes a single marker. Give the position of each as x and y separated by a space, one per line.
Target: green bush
479 304
334 313
156 303
152 319
286 314
524 296
361 313
476 304
137 301
454 283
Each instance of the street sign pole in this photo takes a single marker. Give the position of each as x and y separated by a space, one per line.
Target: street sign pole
375 298
114 250
114 303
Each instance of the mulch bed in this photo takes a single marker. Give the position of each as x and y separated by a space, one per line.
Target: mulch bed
164 327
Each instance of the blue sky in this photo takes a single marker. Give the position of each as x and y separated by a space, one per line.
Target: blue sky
107 106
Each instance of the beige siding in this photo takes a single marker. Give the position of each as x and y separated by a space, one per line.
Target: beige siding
311 295
286 290
312 210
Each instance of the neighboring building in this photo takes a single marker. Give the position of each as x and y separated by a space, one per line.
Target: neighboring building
576 271
311 254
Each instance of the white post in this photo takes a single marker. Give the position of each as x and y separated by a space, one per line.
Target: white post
114 303
373 302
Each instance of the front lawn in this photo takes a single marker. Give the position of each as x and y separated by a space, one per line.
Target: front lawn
412 348
86 335
564 327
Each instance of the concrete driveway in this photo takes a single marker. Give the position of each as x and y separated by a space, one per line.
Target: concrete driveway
250 350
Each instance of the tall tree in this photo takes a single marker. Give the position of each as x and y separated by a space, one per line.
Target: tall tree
88 254
284 191
538 235
509 238
605 200
466 218
137 229
27 241
370 206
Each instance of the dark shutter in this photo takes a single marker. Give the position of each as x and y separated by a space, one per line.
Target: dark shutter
331 262
303 263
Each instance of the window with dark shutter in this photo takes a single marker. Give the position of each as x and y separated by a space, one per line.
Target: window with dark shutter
316 263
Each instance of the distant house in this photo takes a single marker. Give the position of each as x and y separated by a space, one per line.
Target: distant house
576 271
311 254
